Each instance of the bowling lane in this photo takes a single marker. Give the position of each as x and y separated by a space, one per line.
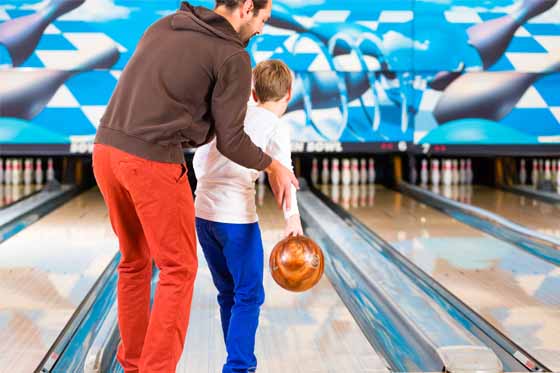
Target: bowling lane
514 291
45 272
532 213
299 332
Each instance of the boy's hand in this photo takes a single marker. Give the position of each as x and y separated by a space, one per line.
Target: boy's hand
293 226
281 180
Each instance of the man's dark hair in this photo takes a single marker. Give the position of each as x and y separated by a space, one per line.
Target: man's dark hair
234 4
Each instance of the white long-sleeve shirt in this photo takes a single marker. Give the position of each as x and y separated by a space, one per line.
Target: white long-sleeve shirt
225 191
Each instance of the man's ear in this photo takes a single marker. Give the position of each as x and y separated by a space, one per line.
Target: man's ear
247 8
254 93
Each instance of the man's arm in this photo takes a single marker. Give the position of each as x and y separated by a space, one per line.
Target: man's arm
229 106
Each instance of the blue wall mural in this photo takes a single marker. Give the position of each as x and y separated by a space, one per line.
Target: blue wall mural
419 72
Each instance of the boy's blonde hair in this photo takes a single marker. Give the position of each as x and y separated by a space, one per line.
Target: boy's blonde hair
272 79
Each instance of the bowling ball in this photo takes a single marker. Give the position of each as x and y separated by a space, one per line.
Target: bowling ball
297 263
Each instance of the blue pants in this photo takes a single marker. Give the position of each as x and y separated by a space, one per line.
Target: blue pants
234 253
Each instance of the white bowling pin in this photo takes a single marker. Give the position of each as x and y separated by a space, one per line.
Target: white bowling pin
558 173
314 171
470 173
16 172
346 174
535 173
363 171
8 173
435 176
50 170
371 171
38 172
28 172
447 173
335 171
1 172
260 194
355 171
424 172
455 168
462 171
522 172
553 169
325 172
262 178
547 172
541 169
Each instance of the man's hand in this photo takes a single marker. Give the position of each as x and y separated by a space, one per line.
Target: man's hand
293 226
281 179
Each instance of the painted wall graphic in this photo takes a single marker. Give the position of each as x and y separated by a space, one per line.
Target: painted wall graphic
425 72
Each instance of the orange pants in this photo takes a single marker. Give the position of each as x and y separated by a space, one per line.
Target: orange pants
152 213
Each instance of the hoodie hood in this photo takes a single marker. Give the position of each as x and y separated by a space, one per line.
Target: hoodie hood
203 20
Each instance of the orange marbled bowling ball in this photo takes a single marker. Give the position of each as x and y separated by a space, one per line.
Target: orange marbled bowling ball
297 263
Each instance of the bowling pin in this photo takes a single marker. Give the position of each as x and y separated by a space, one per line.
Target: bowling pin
558 173
553 169
28 172
50 170
8 173
335 171
455 169
371 171
435 172
541 169
260 194
262 177
346 174
535 173
447 173
462 172
38 172
522 172
470 173
16 172
363 171
314 171
355 171
547 171
424 172
1 171
325 172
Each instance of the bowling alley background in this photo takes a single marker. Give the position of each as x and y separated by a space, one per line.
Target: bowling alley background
375 75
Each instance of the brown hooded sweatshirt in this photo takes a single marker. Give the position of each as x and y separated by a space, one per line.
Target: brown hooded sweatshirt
188 81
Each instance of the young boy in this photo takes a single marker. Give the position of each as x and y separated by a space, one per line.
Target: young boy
226 216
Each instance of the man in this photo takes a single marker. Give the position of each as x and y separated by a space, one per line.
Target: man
188 81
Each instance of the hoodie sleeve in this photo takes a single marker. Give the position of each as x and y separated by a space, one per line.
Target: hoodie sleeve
229 106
